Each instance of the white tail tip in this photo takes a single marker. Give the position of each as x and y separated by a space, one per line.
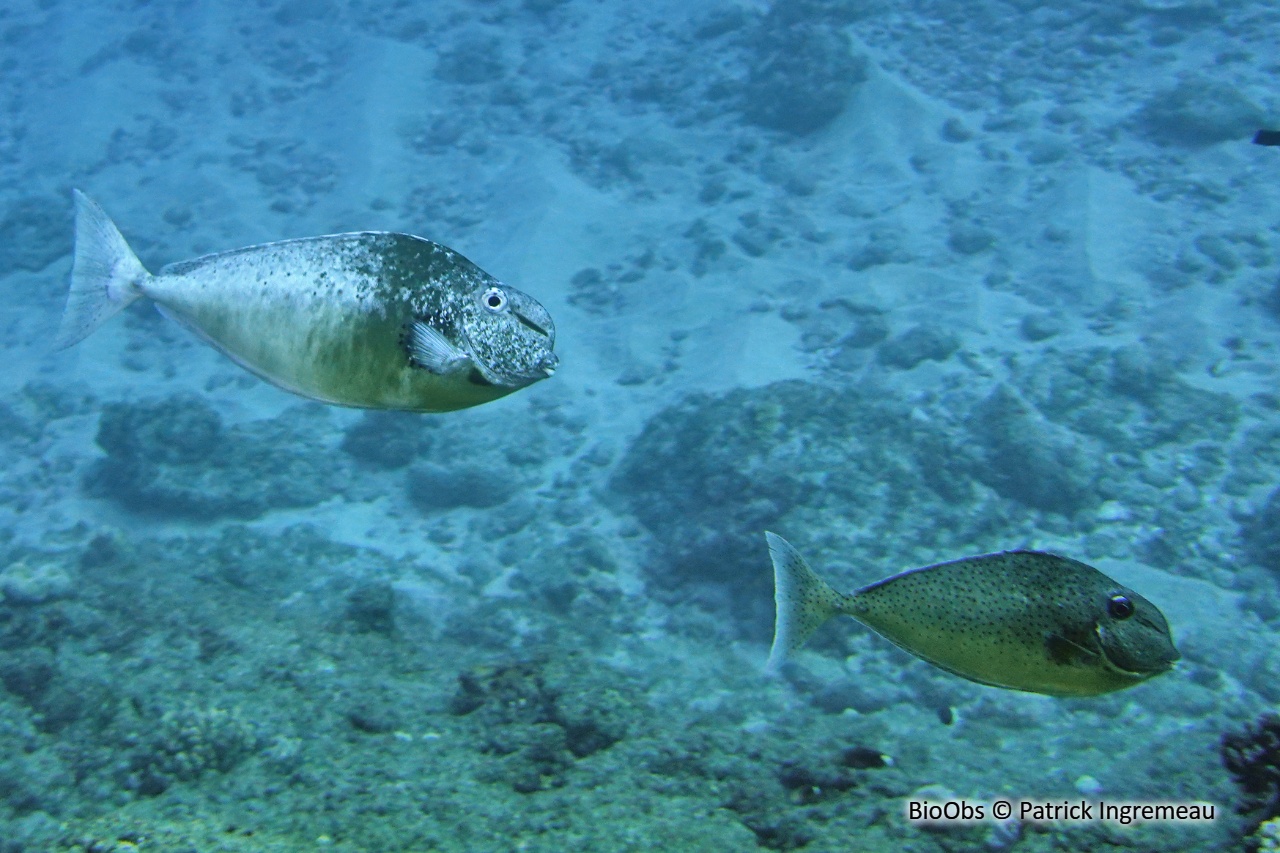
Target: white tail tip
802 601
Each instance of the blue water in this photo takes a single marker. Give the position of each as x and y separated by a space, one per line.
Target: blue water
901 282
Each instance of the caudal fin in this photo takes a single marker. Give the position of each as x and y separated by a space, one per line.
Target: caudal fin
105 276
803 601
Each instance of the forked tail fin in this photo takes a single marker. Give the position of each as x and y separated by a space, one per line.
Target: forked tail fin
803 601
105 276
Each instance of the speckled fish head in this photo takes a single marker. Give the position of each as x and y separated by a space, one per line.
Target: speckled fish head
509 335
1133 634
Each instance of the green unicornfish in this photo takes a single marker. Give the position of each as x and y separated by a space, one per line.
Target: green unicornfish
372 319
1022 620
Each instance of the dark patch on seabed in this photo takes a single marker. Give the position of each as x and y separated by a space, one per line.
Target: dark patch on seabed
1007 270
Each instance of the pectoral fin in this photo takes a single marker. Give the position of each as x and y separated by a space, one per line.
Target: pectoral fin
1069 651
432 351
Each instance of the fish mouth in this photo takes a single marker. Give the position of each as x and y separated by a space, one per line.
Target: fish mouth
544 368
1142 673
1171 662
550 362
1144 666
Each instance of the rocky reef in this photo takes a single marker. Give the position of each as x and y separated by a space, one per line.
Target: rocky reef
803 70
1252 757
968 469
710 474
173 456
535 718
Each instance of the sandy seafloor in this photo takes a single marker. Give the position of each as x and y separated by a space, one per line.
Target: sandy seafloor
902 282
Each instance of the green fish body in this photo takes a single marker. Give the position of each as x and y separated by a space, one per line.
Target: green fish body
1022 620
369 319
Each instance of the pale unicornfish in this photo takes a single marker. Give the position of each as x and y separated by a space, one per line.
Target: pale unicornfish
372 319
1023 620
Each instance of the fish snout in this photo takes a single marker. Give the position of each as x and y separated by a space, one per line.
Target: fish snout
549 363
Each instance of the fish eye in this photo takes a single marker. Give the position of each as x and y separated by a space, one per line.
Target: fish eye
1119 606
494 299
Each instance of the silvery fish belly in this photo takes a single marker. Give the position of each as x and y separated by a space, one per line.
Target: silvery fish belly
369 319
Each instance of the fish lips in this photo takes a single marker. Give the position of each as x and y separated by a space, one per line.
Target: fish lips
544 369
548 366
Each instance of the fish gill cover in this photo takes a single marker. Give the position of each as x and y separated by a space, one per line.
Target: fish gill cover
899 282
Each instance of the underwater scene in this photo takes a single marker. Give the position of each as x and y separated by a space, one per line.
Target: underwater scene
464 425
